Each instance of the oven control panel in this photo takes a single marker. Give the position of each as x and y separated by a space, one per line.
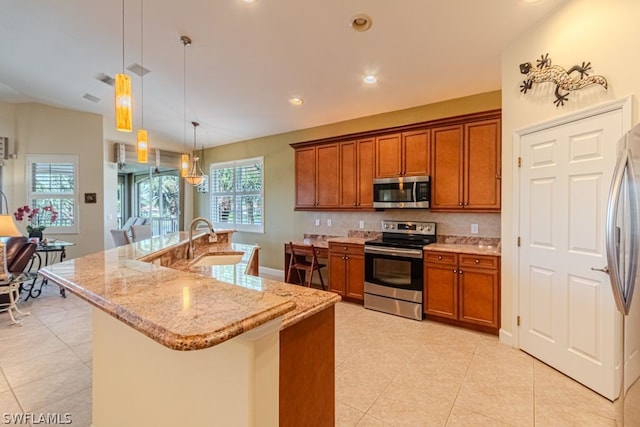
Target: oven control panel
409 227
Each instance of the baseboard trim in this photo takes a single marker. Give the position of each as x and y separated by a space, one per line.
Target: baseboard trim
271 272
506 337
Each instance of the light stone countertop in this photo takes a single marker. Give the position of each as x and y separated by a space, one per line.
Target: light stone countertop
182 307
324 243
465 249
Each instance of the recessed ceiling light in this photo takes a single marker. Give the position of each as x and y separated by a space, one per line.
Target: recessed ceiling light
248 1
296 101
530 1
370 79
360 22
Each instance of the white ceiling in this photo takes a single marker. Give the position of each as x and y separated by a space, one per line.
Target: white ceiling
248 59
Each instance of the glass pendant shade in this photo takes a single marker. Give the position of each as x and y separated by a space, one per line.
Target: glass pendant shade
124 120
184 165
195 176
142 146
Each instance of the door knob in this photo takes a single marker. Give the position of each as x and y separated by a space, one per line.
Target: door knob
605 269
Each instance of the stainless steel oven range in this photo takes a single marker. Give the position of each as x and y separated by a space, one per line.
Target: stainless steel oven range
393 269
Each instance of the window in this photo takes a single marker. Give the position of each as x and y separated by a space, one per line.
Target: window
237 194
52 181
158 199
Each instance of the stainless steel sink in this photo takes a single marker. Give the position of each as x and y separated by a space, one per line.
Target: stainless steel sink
206 260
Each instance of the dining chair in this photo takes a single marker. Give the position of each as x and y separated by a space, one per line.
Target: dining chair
120 237
141 232
304 258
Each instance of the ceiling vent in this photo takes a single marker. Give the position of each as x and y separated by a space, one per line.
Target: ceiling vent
90 97
106 79
138 69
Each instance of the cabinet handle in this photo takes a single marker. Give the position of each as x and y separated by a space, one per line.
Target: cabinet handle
477 261
345 248
439 256
455 271
460 204
466 203
346 257
459 271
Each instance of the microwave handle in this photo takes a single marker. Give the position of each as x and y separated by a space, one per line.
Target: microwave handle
415 187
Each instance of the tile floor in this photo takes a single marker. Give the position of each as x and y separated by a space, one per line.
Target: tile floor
389 372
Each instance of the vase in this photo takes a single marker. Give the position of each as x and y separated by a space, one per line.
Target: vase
36 233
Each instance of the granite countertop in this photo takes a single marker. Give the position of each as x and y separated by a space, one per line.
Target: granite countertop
180 307
323 242
465 249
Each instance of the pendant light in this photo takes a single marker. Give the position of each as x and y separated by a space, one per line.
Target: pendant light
195 176
184 158
142 145
124 115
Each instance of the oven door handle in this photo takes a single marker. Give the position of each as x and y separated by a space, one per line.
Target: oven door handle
398 252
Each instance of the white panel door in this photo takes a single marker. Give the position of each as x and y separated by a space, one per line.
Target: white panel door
567 312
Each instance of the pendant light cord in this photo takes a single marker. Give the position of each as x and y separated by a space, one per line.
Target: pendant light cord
122 36
142 64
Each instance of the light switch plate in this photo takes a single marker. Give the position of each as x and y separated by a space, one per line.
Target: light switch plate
361 224
329 223
317 222
474 228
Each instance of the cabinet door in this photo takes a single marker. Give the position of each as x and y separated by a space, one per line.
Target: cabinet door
416 153
482 165
327 175
337 269
305 164
348 174
366 158
355 277
388 155
446 171
479 296
441 291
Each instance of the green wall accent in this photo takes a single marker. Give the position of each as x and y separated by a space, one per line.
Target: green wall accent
282 224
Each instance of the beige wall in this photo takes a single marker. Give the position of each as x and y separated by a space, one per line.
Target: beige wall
40 129
603 33
281 222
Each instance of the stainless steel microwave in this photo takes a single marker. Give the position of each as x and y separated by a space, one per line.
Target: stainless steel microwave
402 192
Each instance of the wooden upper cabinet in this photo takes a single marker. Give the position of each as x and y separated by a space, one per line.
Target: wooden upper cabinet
388 155
403 154
466 167
461 154
482 165
366 159
357 160
317 176
416 150
305 167
446 173
327 175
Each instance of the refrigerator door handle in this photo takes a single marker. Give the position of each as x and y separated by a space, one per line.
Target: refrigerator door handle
622 287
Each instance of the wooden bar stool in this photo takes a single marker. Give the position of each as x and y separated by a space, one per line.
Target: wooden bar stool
299 262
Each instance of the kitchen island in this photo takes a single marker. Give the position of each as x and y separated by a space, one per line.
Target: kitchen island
177 343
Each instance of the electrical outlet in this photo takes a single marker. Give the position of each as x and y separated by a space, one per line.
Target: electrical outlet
328 223
317 222
361 224
474 228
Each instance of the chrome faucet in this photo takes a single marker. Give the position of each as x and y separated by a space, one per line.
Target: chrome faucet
193 223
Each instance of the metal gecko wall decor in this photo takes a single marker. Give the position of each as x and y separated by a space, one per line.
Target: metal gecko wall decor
544 72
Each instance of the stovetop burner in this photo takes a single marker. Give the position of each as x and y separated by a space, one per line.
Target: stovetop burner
405 234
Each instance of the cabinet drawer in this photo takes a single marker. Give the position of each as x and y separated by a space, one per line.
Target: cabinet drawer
479 261
442 258
347 248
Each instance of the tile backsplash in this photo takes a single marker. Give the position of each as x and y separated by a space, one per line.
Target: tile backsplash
452 224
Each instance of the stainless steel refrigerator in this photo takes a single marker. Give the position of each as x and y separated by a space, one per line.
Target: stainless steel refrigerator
623 252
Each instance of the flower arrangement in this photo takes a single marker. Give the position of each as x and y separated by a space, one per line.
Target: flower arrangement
35 216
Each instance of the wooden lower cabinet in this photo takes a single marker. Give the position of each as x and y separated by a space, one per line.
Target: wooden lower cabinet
463 289
346 270
307 371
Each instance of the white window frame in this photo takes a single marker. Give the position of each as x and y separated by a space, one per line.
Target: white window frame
56 158
251 228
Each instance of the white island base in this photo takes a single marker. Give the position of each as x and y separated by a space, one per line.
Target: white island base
139 382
